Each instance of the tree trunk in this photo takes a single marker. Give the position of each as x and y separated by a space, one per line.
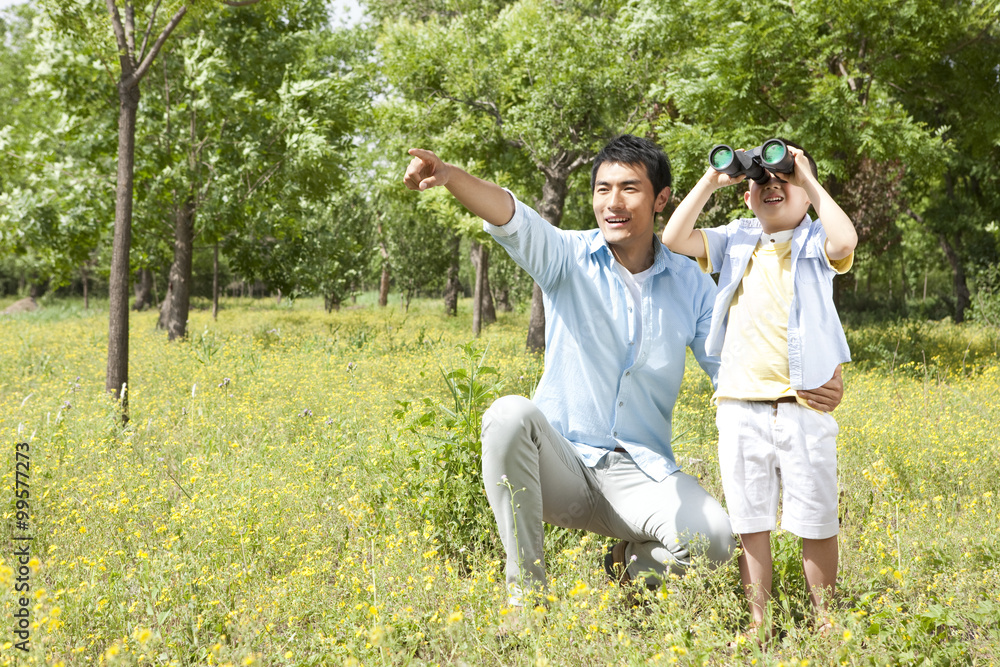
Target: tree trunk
551 208
903 286
383 285
479 258
117 371
180 271
962 298
452 287
502 300
331 302
489 309
38 288
215 281
536 324
86 292
143 290
161 322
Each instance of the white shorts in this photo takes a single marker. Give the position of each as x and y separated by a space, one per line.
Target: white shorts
765 446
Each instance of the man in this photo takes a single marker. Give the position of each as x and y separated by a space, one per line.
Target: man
592 449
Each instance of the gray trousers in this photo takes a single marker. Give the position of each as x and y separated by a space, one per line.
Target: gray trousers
533 474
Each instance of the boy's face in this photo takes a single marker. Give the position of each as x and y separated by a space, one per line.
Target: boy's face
778 205
625 205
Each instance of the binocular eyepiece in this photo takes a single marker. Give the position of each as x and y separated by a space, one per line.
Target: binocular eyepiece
771 156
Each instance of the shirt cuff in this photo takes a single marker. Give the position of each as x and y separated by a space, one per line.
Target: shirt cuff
705 263
841 266
514 224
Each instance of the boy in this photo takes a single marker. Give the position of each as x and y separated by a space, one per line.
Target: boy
777 330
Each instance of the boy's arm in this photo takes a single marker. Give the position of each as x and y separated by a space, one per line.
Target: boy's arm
680 235
841 237
487 200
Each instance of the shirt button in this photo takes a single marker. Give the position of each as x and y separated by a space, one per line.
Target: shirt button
615 434
627 373
630 309
621 403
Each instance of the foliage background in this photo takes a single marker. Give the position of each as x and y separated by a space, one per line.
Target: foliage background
287 128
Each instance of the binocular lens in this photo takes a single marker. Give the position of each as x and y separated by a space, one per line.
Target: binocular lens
774 152
757 164
721 157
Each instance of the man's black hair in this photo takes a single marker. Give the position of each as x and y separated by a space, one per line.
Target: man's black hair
631 150
812 162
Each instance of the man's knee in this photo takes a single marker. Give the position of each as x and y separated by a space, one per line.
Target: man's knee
720 544
506 421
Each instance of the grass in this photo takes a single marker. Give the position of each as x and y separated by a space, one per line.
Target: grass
281 493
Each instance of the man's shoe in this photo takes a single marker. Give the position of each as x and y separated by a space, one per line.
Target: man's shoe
615 564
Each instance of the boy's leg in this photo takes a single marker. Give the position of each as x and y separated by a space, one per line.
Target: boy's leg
528 465
808 454
819 561
756 573
750 477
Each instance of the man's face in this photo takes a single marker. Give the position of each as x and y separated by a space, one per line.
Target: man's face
625 207
777 204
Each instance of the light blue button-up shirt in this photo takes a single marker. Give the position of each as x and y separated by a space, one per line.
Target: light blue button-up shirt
597 389
816 340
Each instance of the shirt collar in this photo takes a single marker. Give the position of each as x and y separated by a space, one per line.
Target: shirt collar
662 258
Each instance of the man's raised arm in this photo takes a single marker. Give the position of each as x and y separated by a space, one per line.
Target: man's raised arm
487 200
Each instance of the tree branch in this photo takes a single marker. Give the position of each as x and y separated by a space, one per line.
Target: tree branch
850 80
239 3
262 180
130 26
972 40
632 114
582 159
488 107
124 57
143 67
149 29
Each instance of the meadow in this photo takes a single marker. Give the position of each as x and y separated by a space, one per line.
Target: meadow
301 488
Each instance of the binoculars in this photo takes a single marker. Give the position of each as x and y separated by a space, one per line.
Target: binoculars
770 156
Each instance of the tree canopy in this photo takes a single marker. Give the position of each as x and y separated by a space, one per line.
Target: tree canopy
277 136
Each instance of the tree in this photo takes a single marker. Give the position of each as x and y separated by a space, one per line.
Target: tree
134 59
880 92
526 79
54 203
227 147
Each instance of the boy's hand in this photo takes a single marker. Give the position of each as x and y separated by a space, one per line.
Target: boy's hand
716 179
803 171
425 170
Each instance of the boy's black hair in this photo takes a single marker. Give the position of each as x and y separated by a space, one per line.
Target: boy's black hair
812 162
631 150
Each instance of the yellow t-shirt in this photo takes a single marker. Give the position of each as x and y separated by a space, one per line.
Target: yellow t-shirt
755 349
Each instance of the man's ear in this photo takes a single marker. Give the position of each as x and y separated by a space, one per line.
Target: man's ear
746 198
662 199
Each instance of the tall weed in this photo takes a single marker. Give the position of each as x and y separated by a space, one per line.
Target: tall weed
446 463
